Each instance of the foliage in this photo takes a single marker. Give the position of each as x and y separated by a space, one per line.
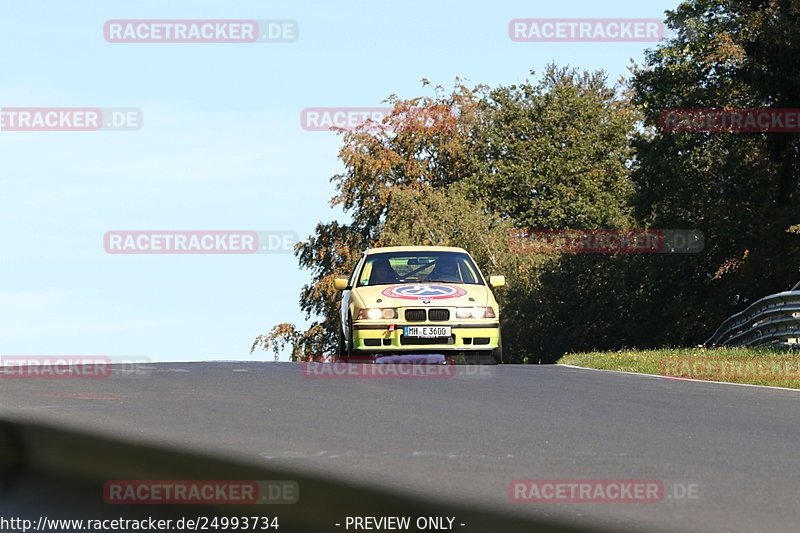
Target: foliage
468 166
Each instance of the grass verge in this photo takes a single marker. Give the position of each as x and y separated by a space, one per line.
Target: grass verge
778 367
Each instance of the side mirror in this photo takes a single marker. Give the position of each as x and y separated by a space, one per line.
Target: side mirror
340 284
497 281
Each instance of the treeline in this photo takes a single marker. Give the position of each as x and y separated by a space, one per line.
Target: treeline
568 150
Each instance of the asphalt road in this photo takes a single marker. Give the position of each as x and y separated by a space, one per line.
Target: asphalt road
467 438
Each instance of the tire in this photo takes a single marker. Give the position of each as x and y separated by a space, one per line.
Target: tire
340 344
497 353
349 340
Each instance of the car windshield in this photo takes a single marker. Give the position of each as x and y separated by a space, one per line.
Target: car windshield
428 267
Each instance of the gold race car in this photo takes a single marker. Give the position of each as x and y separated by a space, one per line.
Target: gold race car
419 300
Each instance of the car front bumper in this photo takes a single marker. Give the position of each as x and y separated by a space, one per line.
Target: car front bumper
372 337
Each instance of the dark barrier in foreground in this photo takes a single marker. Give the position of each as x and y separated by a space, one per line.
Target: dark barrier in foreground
50 474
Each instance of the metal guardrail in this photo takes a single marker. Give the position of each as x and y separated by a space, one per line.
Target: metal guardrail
772 319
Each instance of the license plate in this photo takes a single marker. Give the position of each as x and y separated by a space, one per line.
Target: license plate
426 331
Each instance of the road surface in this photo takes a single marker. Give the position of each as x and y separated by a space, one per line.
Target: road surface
466 438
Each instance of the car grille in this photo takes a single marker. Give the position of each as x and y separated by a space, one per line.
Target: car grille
415 315
433 315
438 315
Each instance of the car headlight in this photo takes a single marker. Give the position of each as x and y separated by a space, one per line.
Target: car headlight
475 312
377 314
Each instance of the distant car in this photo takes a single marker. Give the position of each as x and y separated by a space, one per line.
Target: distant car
419 300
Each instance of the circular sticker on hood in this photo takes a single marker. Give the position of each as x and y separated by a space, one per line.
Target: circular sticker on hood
423 292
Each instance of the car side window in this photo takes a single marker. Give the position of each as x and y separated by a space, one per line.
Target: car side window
468 273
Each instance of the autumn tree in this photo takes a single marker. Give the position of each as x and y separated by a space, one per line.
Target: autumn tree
465 169
422 145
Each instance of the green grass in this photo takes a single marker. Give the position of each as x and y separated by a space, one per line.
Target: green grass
778 367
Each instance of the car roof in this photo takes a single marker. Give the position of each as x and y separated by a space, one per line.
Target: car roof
371 251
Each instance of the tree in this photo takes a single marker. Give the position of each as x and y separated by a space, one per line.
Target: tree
423 144
555 154
740 189
465 169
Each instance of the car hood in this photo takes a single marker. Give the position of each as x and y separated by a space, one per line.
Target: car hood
423 295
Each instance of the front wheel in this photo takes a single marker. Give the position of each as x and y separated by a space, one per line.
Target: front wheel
341 344
349 345
497 353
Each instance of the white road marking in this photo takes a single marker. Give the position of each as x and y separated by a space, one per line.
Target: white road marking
658 376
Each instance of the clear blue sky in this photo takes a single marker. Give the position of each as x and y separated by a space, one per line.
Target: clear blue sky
221 148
